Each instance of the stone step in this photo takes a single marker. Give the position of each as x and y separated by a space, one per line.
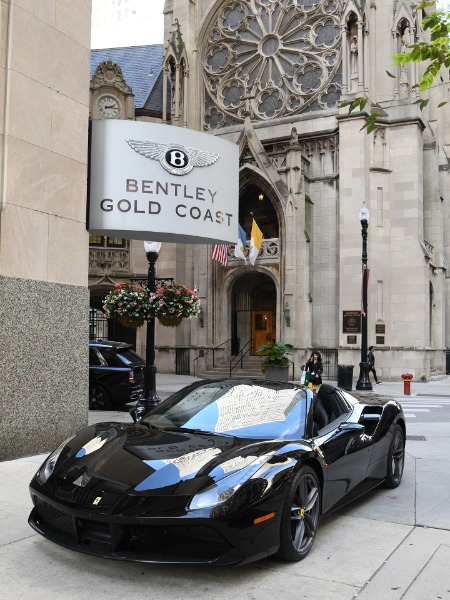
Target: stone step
236 374
251 367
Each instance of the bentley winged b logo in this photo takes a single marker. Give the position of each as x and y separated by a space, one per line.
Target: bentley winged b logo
175 158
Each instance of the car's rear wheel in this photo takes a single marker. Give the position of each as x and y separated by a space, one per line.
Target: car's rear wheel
99 399
396 459
300 518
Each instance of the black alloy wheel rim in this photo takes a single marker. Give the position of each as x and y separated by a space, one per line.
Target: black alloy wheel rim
398 455
305 513
97 398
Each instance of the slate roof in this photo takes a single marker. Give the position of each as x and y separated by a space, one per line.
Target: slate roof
141 66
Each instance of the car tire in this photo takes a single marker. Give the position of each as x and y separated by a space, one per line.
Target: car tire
99 399
395 459
300 518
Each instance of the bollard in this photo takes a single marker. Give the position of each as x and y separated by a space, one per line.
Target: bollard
407 383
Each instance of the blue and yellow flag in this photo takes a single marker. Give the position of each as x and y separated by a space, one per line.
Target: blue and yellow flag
255 242
239 249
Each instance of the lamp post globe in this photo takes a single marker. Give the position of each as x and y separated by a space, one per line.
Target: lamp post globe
363 382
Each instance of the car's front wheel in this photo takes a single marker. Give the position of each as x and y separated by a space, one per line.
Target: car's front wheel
300 518
395 459
99 399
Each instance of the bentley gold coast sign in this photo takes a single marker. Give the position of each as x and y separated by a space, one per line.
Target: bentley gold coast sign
162 183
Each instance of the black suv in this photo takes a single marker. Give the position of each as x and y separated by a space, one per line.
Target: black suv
116 374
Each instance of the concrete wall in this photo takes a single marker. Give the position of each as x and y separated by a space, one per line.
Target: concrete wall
44 91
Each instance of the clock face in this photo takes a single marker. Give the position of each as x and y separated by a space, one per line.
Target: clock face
108 107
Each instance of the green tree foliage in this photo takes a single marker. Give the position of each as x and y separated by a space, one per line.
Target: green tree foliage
436 51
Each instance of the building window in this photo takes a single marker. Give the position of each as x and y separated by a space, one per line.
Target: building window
102 241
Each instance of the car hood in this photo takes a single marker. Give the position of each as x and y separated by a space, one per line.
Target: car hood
133 459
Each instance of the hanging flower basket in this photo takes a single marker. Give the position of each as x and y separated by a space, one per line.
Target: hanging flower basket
132 305
173 302
128 303
133 322
169 321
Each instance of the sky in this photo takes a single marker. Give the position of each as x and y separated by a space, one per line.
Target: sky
146 25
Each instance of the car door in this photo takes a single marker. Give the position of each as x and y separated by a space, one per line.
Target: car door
344 446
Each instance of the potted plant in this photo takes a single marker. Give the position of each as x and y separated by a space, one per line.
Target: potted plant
275 365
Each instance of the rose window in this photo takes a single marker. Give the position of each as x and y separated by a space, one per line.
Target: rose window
271 58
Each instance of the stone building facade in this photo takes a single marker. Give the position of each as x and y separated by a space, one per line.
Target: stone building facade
44 298
269 75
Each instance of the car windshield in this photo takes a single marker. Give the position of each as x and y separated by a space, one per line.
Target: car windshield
243 409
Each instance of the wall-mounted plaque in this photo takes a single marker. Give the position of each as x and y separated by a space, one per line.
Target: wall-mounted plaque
380 328
351 339
351 321
379 340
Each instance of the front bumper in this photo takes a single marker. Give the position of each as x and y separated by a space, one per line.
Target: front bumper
177 540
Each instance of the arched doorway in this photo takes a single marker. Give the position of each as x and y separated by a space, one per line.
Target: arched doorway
256 203
253 311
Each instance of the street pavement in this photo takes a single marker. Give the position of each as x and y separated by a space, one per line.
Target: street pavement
389 545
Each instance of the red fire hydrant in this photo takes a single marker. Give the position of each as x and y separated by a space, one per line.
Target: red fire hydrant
407 383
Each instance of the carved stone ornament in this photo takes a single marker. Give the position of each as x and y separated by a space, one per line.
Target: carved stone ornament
273 58
109 73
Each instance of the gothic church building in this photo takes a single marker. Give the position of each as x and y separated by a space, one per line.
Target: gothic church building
269 76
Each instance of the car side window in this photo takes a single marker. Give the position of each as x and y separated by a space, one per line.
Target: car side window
333 410
110 358
95 358
344 406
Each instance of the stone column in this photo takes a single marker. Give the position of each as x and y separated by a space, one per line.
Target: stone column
345 66
360 57
164 116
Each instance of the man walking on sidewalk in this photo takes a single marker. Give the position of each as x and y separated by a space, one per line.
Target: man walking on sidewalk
371 360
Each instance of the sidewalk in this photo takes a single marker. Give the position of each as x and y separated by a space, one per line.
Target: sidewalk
440 387
390 545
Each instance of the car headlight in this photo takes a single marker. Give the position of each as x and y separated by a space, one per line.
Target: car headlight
223 490
47 467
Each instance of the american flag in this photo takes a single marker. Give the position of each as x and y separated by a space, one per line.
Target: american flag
220 253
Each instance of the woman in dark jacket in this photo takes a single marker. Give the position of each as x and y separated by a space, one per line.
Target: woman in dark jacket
315 368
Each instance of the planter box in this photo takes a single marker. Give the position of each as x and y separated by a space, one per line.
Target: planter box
277 374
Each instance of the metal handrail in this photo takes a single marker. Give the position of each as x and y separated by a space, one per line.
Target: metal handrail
238 358
207 352
293 368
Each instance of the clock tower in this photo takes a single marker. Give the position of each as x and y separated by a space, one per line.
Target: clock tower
111 97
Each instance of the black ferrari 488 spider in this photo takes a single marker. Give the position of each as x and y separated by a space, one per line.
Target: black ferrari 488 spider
222 472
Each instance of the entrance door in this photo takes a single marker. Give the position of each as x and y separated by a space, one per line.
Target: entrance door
263 328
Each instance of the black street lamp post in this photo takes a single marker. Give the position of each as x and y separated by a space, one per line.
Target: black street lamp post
150 398
363 382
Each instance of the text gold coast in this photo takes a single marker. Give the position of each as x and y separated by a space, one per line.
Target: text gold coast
170 190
